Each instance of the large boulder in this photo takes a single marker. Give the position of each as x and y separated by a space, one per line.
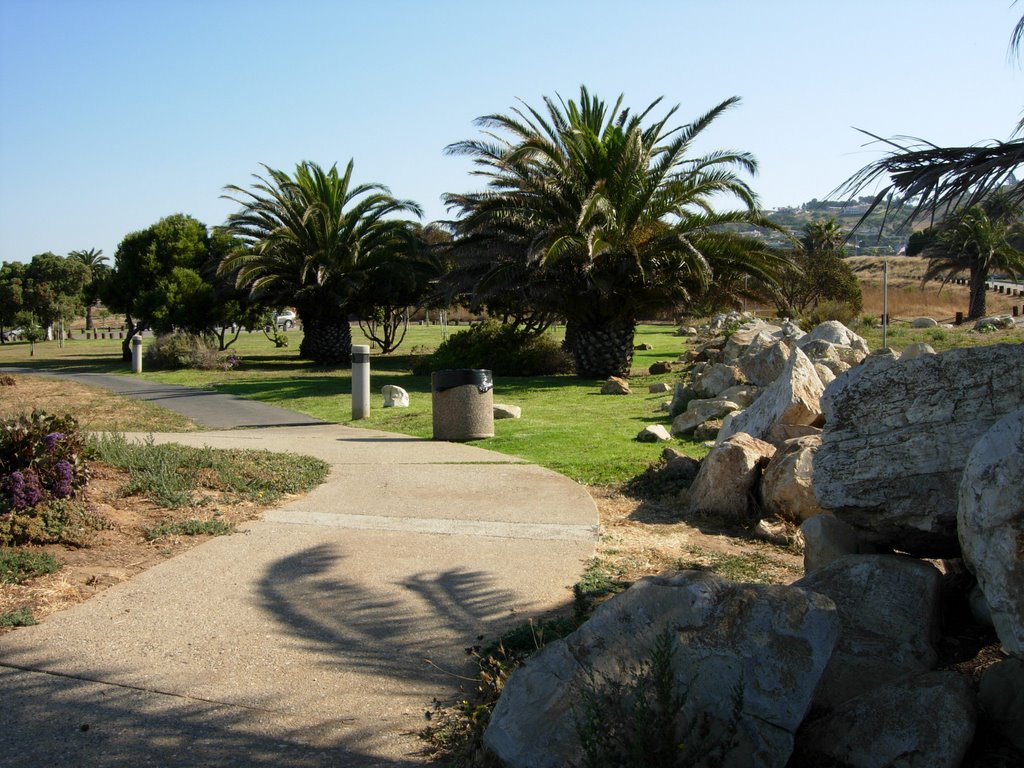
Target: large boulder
1001 698
897 436
925 721
888 621
990 523
762 366
834 332
792 399
615 385
786 487
715 378
729 475
746 660
699 411
826 539
757 335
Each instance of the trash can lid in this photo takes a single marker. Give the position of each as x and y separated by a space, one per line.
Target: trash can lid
457 377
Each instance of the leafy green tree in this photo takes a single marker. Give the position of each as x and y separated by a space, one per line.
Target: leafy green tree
53 288
603 215
818 273
12 295
99 271
982 239
393 287
310 241
155 281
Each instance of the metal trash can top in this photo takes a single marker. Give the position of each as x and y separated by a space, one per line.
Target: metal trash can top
450 378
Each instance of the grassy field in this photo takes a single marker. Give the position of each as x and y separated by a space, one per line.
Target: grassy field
566 426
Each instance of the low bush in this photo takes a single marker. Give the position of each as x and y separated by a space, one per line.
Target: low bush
18 565
174 351
845 312
42 468
22 617
502 349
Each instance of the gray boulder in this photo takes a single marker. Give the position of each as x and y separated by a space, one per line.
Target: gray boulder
924 322
786 487
660 386
990 524
888 620
836 333
729 475
699 411
792 399
741 394
715 378
916 350
826 539
763 366
897 437
920 722
751 694
1001 698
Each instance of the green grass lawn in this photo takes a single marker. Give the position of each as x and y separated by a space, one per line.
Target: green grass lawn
566 426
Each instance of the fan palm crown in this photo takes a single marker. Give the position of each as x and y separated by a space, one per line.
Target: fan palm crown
605 214
308 240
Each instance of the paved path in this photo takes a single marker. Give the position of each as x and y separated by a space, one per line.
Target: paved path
302 640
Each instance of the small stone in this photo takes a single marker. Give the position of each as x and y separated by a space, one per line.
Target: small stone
615 386
503 411
916 350
395 397
661 386
923 322
643 347
660 367
654 433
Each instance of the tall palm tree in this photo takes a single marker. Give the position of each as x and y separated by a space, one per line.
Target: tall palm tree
603 216
979 241
930 179
94 259
308 241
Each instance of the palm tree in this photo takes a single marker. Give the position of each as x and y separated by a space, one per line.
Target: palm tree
307 243
979 240
98 271
600 217
932 179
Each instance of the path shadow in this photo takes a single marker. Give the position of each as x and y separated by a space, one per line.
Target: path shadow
65 721
387 628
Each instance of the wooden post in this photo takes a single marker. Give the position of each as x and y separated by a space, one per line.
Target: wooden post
959 318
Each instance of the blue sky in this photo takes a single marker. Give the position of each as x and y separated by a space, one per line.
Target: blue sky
115 113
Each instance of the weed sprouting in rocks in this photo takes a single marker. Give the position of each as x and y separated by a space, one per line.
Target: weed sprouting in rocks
642 718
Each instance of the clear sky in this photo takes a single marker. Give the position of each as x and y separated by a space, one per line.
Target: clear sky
115 113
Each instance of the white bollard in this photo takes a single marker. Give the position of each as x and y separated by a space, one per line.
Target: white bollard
360 381
136 354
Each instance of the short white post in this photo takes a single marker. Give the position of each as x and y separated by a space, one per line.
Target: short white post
360 381
136 354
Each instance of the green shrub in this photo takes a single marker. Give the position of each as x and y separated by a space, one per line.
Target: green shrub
57 521
21 617
499 348
178 350
18 565
845 312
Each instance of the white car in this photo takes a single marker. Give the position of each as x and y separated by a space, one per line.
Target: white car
285 319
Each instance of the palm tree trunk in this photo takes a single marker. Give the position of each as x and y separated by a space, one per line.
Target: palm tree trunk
327 338
977 302
602 348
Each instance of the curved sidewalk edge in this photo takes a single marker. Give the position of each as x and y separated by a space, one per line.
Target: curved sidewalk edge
316 636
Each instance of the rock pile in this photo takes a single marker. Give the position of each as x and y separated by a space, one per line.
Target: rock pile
892 461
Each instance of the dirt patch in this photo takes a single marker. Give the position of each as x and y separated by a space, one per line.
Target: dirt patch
119 550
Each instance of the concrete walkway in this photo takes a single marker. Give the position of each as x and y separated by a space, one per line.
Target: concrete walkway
303 640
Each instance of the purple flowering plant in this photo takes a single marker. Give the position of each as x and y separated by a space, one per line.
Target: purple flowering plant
41 458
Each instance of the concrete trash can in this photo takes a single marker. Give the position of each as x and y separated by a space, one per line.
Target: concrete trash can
463 404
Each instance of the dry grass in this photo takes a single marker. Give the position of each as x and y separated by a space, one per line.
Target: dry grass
96 409
909 298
